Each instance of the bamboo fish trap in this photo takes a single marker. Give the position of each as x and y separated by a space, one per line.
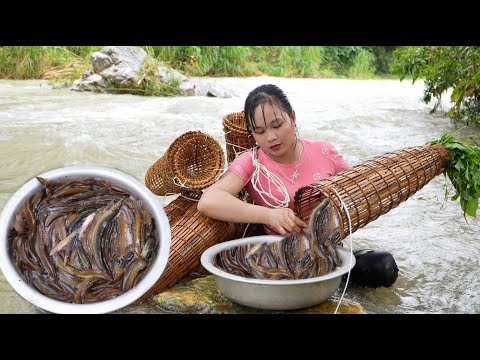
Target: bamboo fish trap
237 138
192 234
191 163
374 187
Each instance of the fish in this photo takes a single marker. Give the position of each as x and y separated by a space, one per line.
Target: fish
303 256
82 240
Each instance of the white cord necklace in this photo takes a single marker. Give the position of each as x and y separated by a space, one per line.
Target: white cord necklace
293 178
295 174
272 180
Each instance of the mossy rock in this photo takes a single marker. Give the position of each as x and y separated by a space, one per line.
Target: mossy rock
201 296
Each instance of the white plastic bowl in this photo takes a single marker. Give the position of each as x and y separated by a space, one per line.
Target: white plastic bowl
275 294
136 188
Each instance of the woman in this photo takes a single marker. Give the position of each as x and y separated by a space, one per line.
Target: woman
275 171
272 172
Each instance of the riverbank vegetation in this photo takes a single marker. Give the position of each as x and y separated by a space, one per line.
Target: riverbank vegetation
441 67
359 62
44 62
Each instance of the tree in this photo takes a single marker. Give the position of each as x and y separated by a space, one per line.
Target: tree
442 68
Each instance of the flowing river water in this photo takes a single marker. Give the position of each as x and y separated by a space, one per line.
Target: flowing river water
436 249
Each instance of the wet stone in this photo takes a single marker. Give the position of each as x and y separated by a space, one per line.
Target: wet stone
201 296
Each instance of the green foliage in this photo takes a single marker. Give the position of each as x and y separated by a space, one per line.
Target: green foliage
443 68
383 56
83 51
297 61
286 61
363 66
152 86
340 58
61 65
205 60
463 172
32 62
24 62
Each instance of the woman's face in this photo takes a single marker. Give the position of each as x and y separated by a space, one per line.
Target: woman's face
274 131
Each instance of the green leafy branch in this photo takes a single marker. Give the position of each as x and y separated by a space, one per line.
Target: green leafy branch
463 172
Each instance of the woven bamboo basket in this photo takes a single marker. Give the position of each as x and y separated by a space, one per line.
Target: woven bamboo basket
191 163
237 138
192 234
374 187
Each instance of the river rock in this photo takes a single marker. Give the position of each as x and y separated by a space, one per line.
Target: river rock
90 82
216 90
211 88
114 67
119 67
201 296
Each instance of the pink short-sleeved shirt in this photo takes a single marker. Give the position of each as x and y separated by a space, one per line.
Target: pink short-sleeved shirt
319 161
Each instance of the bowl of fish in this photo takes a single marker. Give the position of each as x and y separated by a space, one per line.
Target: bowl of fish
277 273
83 239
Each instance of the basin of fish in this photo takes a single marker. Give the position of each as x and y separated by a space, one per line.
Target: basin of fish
283 273
275 294
83 239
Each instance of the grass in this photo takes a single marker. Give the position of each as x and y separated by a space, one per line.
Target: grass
48 62
62 65
43 62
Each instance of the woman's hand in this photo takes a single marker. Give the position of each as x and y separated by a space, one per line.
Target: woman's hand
285 222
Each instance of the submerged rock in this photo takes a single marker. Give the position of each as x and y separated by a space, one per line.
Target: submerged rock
201 296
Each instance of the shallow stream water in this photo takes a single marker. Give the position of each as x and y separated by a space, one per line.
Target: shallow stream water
436 249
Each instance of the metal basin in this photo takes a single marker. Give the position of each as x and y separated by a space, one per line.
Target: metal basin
137 189
275 294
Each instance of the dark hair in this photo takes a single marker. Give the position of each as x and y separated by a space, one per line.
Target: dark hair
267 93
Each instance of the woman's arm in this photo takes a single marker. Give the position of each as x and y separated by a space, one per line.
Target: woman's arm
219 202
